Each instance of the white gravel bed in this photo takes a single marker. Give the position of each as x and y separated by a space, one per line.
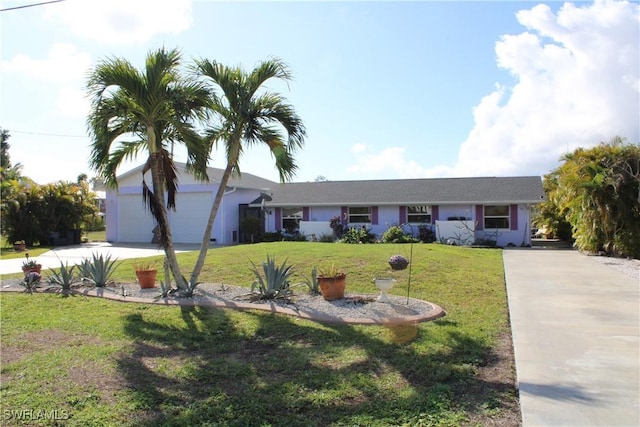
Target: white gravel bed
354 306
362 306
627 266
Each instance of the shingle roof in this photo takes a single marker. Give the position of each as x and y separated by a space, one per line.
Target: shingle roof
246 180
525 189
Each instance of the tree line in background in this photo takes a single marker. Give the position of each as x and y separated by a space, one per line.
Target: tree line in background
48 214
593 198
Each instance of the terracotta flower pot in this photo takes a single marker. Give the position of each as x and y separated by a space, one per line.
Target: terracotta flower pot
332 288
146 278
27 270
19 247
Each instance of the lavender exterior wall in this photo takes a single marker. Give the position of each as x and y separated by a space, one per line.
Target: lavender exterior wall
519 237
390 215
111 217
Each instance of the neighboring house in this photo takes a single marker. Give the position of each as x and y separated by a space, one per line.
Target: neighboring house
461 209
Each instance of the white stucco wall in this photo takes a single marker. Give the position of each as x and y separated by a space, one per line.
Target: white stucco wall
458 211
193 205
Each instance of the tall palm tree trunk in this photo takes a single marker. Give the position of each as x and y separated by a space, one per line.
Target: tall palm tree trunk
207 232
158 208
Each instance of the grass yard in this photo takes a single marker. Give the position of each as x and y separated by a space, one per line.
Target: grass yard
98 362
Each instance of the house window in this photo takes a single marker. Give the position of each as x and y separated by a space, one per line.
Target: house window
360 215
419 214
496 216
291 219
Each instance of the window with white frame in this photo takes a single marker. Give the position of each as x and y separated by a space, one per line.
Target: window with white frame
360 215
291 218
420 214
496 216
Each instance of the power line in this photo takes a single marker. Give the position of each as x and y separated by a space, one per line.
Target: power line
47 134
30 5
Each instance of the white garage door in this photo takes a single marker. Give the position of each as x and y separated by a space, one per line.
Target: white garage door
135 223
190 218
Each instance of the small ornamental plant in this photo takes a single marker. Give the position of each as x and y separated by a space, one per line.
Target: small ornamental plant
31 280
29 263
398 262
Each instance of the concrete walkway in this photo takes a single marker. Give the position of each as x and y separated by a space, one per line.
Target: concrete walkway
575 325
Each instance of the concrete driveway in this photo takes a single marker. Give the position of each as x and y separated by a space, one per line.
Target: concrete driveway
575 325
75 254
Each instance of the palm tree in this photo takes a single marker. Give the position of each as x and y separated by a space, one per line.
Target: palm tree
157 107
248 116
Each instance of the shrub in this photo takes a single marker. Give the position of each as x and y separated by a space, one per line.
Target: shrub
358 235
426 234
337 226
295 237
272 236
326 238
395 234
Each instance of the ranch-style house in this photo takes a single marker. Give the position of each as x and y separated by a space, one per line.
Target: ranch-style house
458 210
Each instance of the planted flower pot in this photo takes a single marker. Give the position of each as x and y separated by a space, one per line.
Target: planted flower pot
31 269
332 288
146 278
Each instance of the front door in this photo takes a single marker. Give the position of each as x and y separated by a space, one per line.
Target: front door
251 220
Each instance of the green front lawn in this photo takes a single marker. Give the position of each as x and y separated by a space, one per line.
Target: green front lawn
99 362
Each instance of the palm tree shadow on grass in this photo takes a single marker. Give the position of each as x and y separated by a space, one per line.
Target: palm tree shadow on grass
283 372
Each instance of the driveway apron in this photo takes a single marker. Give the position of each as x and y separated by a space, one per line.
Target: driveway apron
575 324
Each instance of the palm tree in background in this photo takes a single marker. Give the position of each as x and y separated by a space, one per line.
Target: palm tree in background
248 116
157 107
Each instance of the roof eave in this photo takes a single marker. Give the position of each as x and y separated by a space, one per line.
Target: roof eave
440 203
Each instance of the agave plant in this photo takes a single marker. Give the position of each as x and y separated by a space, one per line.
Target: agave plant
275 283
30 281
312 282
64 278
98 269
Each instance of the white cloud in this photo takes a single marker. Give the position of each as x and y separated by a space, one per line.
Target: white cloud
359 148
58 78
577 84
123 21
72 103
64 63
388 162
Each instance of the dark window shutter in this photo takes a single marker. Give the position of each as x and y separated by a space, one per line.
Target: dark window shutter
278 219
479 217
435 213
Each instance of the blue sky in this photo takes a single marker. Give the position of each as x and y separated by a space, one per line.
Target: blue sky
386 89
